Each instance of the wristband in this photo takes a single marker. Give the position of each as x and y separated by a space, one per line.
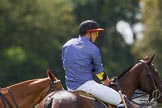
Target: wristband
102 76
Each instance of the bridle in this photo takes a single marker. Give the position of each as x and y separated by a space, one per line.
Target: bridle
5 100
155 95
157 92
51 83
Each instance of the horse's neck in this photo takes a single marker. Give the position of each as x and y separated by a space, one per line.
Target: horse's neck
30 92
129 83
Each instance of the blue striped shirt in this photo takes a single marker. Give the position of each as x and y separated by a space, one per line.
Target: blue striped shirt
79 57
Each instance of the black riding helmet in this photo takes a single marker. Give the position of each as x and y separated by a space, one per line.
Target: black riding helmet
88 26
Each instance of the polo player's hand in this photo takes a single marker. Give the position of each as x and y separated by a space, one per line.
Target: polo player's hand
106 82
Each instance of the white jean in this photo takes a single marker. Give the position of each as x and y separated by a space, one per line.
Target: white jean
101 91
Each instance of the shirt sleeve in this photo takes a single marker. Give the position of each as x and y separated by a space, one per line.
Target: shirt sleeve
97 62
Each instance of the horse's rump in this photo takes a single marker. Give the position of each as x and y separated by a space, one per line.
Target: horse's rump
64 99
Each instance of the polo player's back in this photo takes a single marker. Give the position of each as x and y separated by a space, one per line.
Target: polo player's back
77 61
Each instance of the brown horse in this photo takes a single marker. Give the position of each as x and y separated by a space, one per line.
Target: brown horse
142 76
28 93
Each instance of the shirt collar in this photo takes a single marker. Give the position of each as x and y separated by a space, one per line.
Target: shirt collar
84 38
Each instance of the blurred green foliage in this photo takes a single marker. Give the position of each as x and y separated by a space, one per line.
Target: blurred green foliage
152 34
32 33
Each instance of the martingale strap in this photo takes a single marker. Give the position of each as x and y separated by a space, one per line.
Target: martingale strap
4 99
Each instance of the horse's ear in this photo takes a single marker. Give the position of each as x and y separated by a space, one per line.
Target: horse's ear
151 59
51 75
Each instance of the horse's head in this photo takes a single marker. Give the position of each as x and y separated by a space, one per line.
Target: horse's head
150 81
28 93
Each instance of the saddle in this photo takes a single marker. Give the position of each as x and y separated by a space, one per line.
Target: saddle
97 102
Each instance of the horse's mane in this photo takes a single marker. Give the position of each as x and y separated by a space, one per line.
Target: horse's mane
25 83
125 71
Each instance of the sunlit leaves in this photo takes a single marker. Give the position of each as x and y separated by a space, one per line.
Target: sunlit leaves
152 39
15 54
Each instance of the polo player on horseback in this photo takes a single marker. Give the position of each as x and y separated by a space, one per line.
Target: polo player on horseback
80 57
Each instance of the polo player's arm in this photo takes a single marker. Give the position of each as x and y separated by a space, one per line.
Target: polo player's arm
104 78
